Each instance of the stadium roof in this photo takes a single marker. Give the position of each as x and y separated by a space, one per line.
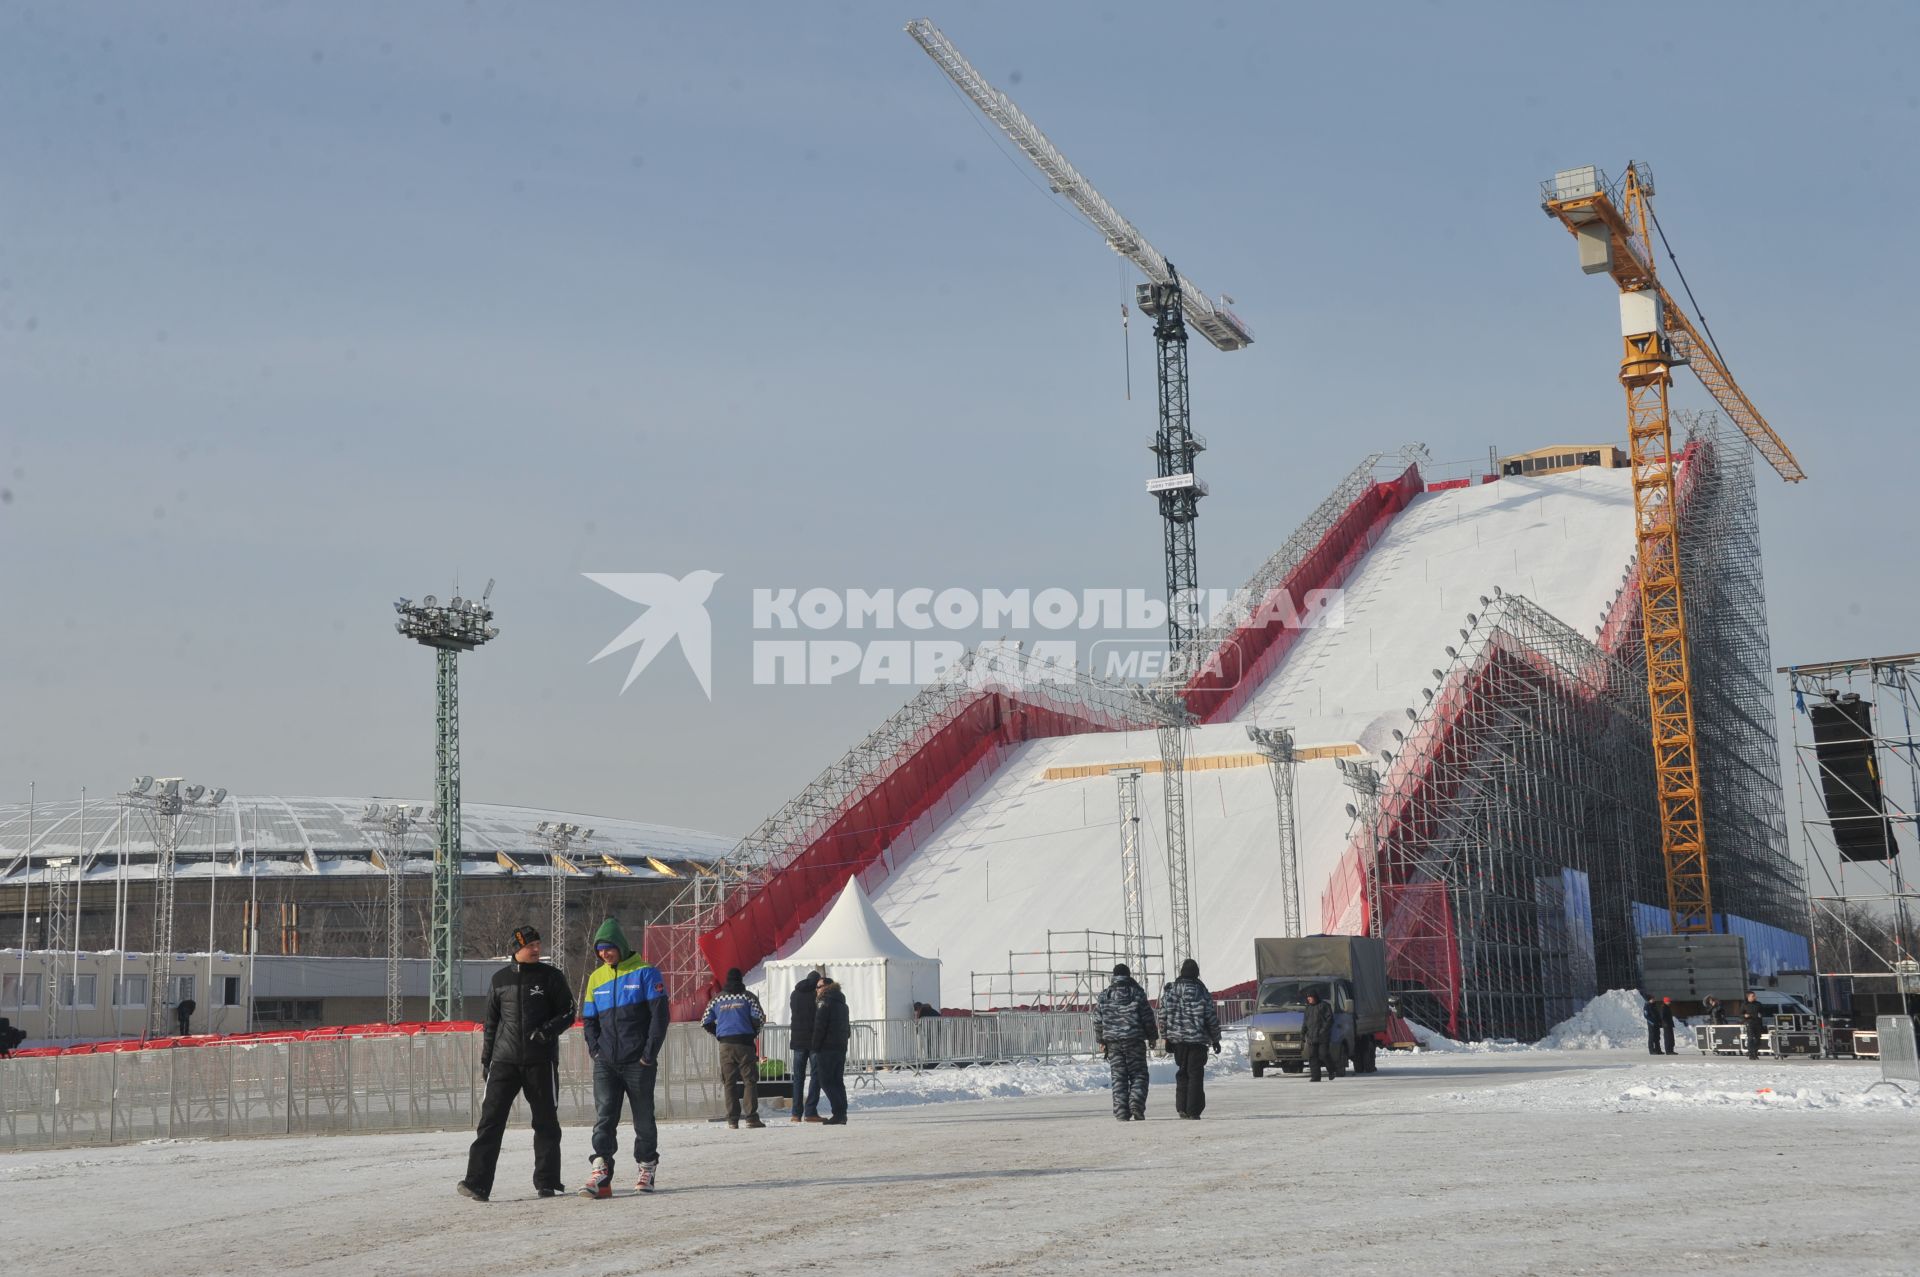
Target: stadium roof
274 835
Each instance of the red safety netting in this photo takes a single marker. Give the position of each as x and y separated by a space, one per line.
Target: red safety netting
227 1039
1242 662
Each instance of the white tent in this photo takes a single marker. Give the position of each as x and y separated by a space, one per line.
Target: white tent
881 977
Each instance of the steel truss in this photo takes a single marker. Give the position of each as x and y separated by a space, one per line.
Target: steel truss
1132 884
1888 962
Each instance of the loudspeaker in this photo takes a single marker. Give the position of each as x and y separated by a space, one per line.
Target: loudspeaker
1850 778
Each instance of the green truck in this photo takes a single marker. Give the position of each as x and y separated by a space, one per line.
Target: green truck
1347 972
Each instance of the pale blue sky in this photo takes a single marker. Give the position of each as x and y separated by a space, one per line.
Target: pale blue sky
303 307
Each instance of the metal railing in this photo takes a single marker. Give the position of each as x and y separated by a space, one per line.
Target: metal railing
954 1040
419 1082
1899 1052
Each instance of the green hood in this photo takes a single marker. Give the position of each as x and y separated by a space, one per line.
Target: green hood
610 930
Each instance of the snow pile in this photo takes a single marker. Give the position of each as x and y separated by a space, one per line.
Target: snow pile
1615 1020
1777 1086
899 1087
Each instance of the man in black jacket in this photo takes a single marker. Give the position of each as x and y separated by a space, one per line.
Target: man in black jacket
528 1007
800 1043
1191 1024
832 1031
1316 1030
1754 1017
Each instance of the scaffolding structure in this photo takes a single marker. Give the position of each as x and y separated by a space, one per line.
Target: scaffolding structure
1133 894
1014 693
1069 973
1872 905
62 941
1517 826
391 825
1283 765
168 804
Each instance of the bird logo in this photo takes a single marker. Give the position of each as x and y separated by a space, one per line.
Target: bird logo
676 608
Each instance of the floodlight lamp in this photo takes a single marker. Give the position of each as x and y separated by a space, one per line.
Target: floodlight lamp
1412 716
1472 619
540 828
584 837
194 792
1485 601
1353 813
430 601
142 784
1386 756
1463 636
399 627
1427 692
170 788
1496 591
217 797
1399 737
493 631
1437 675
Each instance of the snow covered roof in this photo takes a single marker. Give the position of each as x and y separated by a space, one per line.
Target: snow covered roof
276 835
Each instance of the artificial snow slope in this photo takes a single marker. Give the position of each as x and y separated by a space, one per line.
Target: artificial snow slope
1030 852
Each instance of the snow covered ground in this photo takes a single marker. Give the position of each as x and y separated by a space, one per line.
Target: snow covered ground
1527 1161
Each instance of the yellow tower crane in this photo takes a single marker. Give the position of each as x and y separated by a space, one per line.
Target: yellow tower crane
1611 222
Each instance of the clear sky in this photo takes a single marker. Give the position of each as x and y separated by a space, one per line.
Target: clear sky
307 306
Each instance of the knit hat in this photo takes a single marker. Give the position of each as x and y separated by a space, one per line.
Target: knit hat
1120 969
610 933
735 982
1189 970
524 936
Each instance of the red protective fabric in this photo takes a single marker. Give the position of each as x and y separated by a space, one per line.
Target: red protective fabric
1250 654
1448 484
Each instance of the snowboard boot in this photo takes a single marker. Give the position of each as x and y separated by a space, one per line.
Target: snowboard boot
600 1183
648 1170
467 1190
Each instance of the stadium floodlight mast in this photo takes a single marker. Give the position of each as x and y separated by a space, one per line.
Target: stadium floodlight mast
1283 762
449 629
392 824
168 803
556 837
60 947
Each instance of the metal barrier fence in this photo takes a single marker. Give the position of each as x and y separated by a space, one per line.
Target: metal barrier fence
430 1081
954 1039
1899 1051
421 1082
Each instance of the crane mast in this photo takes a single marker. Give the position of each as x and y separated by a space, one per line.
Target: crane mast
1611 224
1174 304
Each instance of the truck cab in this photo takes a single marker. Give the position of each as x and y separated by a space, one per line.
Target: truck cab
1274 1029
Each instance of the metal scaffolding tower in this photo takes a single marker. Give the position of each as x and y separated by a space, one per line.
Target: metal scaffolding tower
1175 732
62 939
391 825
556 838
1283 764
167 810
1363 778
460 626
1864 906
1133 894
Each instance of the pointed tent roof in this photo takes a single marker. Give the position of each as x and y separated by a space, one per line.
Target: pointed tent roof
852 931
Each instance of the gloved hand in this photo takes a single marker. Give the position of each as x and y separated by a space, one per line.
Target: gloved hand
538 1035
1216 1048
485 1066
1104 1050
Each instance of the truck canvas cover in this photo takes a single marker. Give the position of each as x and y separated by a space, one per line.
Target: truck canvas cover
1359 959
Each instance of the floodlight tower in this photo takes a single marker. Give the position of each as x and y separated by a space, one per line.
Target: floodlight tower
392 825
1133 889
1175 728
168 804
556 837
1283 761
459 626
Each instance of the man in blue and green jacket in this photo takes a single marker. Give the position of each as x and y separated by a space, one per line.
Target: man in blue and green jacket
625 1013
